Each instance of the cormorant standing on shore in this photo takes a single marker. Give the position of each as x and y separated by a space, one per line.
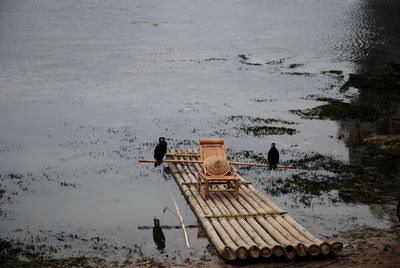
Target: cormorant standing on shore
160 151
273 157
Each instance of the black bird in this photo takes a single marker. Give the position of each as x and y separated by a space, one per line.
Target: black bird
273 157
160 151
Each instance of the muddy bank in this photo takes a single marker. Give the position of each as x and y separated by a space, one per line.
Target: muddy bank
362 248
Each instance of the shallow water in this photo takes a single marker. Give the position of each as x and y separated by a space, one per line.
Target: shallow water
87 87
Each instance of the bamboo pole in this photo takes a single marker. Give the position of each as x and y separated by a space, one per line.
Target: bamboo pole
181 221
199 161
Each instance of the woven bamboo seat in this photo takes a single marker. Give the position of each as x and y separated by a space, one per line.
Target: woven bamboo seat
216 170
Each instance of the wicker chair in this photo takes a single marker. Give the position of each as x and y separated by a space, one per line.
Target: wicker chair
216 169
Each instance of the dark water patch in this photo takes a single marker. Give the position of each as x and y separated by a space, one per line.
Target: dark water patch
295 65
338 110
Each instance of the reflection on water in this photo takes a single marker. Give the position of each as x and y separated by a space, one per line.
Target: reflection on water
158 235
383 50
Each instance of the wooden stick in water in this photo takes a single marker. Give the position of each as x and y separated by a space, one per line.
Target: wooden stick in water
199 161
181 221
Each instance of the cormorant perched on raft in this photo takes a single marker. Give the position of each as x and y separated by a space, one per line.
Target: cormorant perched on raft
273 157
160 151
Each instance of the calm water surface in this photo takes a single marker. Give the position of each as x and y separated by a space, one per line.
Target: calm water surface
87 87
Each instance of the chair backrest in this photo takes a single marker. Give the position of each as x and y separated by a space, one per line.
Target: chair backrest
211 147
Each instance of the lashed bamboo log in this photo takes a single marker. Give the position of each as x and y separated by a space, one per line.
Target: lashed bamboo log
265 248
273 229
254 250
226 248
246 231
277 250
244 249
301 248
324 247
226 232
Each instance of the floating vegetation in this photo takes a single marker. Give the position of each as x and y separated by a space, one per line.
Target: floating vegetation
255 126
275 62
338 110
262 100
354 184
215 59
259 120
15 254
267 130
300 74
295 65
335 72
319 98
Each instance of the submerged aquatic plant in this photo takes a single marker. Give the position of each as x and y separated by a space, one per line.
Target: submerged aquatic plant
321 174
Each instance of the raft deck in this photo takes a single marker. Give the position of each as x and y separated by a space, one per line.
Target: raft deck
250 226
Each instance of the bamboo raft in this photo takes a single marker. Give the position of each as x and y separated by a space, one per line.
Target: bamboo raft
250 226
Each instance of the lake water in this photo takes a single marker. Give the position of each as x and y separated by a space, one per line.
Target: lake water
87 87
